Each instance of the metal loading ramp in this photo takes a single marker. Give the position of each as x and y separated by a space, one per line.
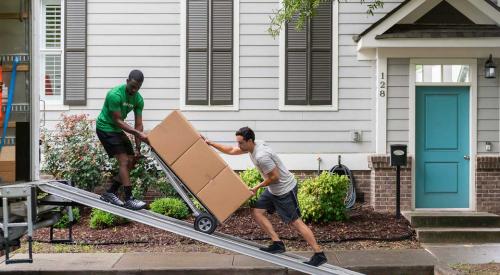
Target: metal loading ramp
185 229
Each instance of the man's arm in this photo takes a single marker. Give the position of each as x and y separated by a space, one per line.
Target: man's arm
272 177
117 118
226 149
139 127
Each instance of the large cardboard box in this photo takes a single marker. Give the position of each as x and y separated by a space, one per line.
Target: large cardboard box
198 165
224 194
201 169
172 137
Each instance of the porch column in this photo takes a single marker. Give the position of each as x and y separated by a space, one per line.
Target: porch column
381 105
488 184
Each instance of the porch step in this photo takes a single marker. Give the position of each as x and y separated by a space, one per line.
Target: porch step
453 219
458 235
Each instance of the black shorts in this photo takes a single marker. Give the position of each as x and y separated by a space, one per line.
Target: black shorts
286 205
115 143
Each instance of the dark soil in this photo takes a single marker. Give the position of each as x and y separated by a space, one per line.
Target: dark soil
364 225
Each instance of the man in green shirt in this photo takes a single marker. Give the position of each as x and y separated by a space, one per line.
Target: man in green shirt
110 127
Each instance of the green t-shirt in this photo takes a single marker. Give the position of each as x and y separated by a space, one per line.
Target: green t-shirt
117 100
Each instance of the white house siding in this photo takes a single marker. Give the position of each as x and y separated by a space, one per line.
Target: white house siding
397 101
488 106
127 34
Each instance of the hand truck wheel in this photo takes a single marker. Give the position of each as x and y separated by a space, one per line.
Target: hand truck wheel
205 223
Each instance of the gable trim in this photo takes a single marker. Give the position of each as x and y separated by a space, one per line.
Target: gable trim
408 6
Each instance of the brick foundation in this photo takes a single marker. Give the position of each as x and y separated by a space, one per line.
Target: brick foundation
383 184
488 184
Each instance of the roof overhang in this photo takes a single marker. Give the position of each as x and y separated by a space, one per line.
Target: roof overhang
481 12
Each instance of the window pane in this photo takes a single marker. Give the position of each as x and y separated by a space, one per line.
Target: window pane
432 73
456 73
52 75
53 26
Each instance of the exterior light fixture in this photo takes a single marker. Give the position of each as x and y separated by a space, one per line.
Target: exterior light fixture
490 68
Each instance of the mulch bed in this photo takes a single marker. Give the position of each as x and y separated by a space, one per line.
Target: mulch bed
363 224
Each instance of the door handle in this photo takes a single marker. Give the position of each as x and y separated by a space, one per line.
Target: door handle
467 157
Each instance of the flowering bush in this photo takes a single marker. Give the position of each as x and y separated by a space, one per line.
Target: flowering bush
72 152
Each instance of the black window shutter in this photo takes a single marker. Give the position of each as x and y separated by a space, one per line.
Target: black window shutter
75 52
222 53
197 53
321 56
309 60
296 65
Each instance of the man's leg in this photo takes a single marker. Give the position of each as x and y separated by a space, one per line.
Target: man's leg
123 178
123 168
126 163
307 234
264 223
319 256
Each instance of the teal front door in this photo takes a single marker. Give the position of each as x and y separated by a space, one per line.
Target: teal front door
442 147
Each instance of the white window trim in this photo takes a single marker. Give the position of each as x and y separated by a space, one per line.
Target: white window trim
50 103
472 120
236 64
335 70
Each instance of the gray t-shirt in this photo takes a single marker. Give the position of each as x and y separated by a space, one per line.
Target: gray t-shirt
265 159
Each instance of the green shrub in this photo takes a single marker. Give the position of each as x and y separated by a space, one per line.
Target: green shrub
72 152
321 198
251 177
172 207
197 204
101 219
64 220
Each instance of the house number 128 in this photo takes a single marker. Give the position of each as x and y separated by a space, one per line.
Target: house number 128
381 91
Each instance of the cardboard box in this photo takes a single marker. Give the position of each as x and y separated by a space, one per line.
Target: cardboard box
224 194
198 165
172 137
8 164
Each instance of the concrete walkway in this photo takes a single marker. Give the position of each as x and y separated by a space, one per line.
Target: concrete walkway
464 253
408 261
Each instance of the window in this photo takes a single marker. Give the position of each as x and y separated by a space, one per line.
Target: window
51 50
209 53
308 60
442 73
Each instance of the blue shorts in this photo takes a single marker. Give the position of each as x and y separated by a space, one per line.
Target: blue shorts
286 205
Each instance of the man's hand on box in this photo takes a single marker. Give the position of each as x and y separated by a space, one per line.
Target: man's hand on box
143 137
206 140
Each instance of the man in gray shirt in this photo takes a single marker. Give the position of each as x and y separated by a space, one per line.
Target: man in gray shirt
280 194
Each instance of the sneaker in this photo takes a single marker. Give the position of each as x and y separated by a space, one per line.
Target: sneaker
111 198
275 247
134 204
317 259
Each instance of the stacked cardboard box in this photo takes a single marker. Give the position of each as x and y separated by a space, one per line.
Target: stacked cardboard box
201 169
